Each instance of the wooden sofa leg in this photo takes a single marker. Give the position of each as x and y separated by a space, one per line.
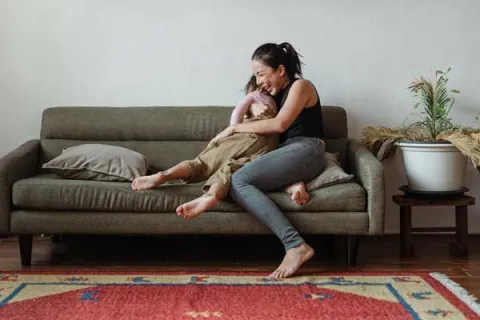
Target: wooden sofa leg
352 250
330 244
25 242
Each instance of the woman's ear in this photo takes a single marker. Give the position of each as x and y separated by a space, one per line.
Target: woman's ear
281 70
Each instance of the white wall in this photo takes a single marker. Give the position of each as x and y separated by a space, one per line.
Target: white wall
360 55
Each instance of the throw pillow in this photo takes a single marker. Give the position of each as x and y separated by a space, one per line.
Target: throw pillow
98 162
333 174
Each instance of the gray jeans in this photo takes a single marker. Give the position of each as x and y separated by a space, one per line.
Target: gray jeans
297 159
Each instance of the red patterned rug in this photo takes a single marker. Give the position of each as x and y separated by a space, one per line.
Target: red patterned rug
115 295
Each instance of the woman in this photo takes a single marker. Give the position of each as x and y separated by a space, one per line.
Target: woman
221 158
300 156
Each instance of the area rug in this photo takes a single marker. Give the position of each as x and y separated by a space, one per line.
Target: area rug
114 295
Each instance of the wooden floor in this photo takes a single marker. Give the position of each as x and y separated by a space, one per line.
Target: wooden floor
240 253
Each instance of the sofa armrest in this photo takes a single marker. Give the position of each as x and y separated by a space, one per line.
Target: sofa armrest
18 164
368 170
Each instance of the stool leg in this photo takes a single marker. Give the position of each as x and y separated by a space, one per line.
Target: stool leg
460 247
406 247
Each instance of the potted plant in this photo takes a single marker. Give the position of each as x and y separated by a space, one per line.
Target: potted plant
435 151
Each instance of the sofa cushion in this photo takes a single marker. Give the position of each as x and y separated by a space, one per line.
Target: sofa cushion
332 174
94 161
48 191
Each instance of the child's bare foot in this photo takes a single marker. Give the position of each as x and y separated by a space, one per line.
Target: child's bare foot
293 259
196 207
299 193
148 182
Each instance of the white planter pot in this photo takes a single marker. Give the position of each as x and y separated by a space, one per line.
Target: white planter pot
433 167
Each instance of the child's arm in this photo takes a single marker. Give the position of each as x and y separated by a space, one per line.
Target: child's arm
241 109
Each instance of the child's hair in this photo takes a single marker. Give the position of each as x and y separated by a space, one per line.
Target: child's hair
251 85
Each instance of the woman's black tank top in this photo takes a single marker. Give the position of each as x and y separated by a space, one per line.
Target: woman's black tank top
309 122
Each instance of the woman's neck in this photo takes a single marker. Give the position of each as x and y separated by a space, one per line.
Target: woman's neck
285 83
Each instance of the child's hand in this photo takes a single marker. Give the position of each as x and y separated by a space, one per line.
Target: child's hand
258 110
225 133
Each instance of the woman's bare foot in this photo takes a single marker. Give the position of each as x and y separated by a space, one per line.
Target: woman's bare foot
196 207
293 259
148 182
299 193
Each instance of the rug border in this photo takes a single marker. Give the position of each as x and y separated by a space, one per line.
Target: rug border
206 272
450 289
461 293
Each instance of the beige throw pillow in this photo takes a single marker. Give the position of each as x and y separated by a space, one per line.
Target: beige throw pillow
333 174
98 162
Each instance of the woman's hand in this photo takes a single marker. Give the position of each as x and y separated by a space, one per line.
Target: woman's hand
225 133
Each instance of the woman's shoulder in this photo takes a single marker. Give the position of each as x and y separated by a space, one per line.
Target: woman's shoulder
303 87
305 90
303 84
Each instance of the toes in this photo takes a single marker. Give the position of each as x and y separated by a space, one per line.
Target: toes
296 197
274 274
307 198
300 198
300 201
180 211
277 275
304 199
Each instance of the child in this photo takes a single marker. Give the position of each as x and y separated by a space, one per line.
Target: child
220 159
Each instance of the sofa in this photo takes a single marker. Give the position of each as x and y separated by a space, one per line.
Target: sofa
35 201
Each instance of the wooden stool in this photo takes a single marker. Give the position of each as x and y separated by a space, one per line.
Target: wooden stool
458 248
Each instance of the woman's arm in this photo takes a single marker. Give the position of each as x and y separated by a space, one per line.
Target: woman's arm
299 96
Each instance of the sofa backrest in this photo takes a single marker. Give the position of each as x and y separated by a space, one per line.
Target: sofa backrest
165 135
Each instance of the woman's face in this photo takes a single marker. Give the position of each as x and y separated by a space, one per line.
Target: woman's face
269 79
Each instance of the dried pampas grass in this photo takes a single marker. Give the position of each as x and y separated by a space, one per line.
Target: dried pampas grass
381 141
